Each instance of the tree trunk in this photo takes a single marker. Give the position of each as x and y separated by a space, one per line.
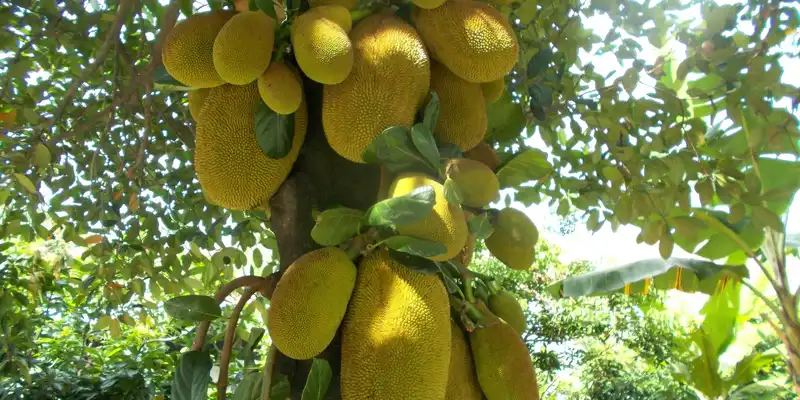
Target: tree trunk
320 179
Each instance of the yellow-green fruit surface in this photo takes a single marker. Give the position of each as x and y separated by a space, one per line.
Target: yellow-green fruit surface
474 40
462 383
280 88
348 4
310 301
196 100
445 224
462 116
484 153
243 48
335 13
517 226
232 169
502 362
389 81
396 334
428 4
513 254
322 48
478 184
188 49
493 90
504 305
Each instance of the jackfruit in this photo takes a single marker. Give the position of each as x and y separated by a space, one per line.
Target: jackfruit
428 4
188 49
309 302
322 48
280 88
196 100
348 4
232 169
485 154
243 48
513 254
335 13
396 334
244 5
445 223
389 81
478 184
462 383
517 226
502 362
472 39
462 116
493 90
504 305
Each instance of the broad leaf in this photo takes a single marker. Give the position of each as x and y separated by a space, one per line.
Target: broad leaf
281 388
395 150
193 308
747 368
527 166
422 138
415 246
402 209
505 119
191 379
704 373
274 132
250 386
721 311
431 112
416 263
318 380
480 226
336 225
26 183
452 192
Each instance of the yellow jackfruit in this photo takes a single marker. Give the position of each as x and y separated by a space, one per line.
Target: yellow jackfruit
472 39
504 305
485 154
493 90
513 254
280 88
517 226
462 116
502 362
310 301
389 81
188 49
462 383
478 184
396 334
243 48
322 48
445 223
335 13
428 4
348 4
233 170
196 100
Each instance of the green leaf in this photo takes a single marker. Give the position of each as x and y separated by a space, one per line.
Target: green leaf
505 119
162 78
402 209
612 173
529 165
416 263
281 388
540 62
191 379
704 369
274 132
747 368
250 386
228 256
26 183
247 353
395 150
193 308
423 140
186 7
415 246
452 192
41 155
336 225
665 245
432 112
318 380
764 217
267 7
480 226
721 311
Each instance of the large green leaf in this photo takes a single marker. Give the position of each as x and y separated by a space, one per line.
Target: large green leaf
402 209
505 119
336 225
747 368
642 276
395 150
193 307
249 388
191 379
274 132
704 373
721 311
527 166
318 380
415 246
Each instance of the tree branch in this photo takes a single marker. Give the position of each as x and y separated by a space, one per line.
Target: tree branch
227 347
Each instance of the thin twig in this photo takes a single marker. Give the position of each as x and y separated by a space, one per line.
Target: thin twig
227 347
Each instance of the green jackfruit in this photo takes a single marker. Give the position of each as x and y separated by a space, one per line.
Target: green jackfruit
493 90
280 88
485 154
189 47
478 184
335 13
322 48
502 362
474 40
196 100
310 301
513 254
517 226
445 224
462 383
504 305
428 4
243 48
462 116
396 334
389 81
232 169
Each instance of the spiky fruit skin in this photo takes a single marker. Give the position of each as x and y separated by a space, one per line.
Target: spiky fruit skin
348 4
462 383
504 305
517 226
336 13
484 153
445 223
474 40
478 184
322 48
243 47
196 100
188 49
389 81
396 334
511 253
310 301
232 169
492 91
280 88
502 362
462 116
428 4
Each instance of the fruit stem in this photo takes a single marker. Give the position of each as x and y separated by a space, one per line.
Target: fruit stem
462 307
466 278
356 246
